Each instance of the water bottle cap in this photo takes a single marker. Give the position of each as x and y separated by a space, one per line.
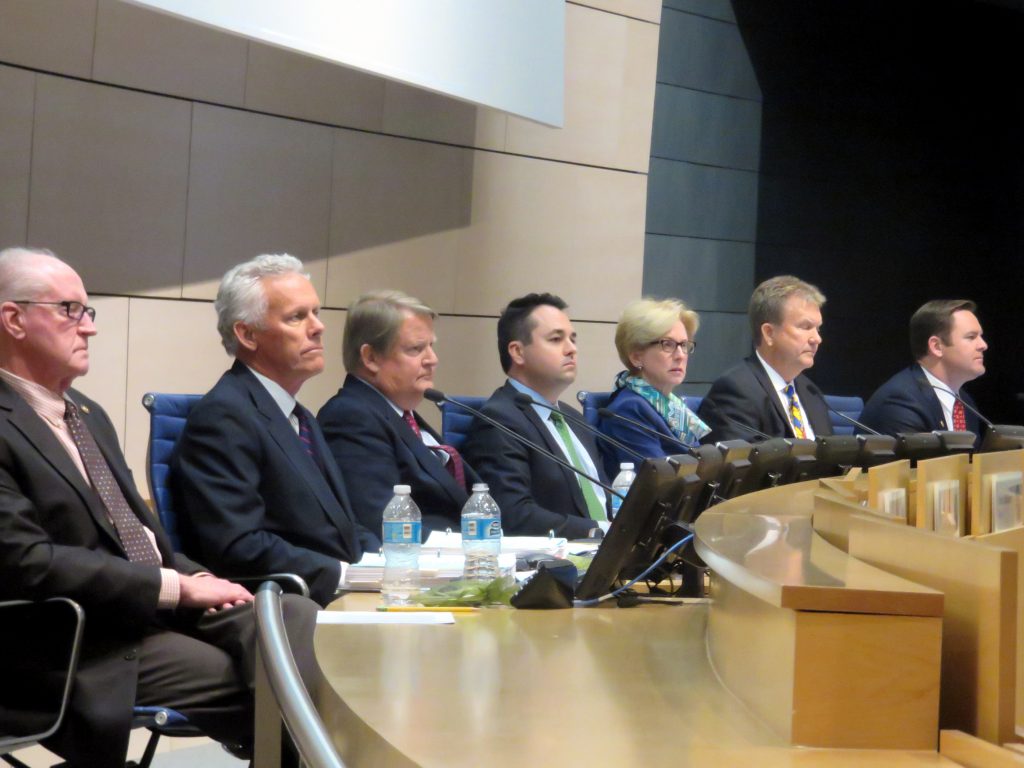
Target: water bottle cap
480 488
402 490
626 465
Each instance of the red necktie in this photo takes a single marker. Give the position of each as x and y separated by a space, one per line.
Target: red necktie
454 464
959 417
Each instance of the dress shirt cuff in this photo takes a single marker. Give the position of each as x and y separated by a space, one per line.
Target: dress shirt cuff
341 576
170 589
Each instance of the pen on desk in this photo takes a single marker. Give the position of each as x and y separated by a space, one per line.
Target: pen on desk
427 609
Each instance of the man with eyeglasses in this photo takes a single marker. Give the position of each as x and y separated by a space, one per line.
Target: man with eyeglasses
767 393
537 349
159 629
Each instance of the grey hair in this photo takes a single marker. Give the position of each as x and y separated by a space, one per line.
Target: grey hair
375 319
241 298
19 280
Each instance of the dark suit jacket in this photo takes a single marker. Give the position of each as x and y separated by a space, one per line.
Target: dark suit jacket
534 493
745 395
56 540
376 449
251 500
626 402
908 403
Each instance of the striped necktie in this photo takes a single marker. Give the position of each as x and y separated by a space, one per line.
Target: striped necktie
795 418
454 466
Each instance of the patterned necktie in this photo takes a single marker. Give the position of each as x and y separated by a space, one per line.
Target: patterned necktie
305 433
794 413
454 465
959 417
594 507
130 530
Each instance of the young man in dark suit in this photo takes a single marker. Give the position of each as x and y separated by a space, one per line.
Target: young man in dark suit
159 628
258 489
949 349
767 392
537 349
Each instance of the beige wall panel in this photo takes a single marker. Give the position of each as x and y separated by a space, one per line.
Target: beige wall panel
287 83
156 52
610 67
397 209
52 35
257 184
16 104
108 367
174 347
648 10
109 178
536 225
414 112
597 360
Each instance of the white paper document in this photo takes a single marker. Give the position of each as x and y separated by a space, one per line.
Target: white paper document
383 617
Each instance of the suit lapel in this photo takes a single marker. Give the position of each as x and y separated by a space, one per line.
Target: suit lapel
761 376
284 435
41 439
930 400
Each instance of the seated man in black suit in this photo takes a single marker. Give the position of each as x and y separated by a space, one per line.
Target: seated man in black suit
767 392
371 425
537 348
254 480
159 629
947 343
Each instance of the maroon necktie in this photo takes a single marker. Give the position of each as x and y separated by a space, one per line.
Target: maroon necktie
454 465
130 530
959 417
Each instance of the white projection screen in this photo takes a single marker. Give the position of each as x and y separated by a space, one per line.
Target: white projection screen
506 54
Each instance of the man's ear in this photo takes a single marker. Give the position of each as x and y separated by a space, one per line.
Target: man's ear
515 351
768 333
368 357
12 318
935 346
246 336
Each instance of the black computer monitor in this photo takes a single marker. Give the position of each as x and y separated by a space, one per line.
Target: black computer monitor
735 465
918 446
803 461
1002 437
635 535
957 442
875 450
769 461
710 464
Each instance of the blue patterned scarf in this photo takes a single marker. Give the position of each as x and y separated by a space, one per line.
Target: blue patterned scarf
681 420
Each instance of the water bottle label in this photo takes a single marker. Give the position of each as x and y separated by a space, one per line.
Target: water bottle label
396 532
481 528
616 504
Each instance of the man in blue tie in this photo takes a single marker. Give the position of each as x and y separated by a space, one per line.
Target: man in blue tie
767 392
254 480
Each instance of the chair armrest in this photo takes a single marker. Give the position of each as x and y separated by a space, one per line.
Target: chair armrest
290 583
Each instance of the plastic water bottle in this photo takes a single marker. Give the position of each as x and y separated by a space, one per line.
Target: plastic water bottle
401 548
481 535
621 484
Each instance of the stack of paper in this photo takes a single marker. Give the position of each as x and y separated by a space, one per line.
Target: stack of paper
435 567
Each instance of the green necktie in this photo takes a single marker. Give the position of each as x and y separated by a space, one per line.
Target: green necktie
593 504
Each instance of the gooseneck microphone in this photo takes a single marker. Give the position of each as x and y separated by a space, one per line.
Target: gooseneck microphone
813 389
960 400
523 399
437 397
609 414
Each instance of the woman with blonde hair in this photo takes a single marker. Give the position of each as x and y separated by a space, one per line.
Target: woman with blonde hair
654 339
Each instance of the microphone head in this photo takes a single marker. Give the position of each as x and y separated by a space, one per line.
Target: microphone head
605 412
435 396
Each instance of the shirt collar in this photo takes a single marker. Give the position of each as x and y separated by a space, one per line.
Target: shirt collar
277 393
387 400
942 390
49 405
778 383
543 413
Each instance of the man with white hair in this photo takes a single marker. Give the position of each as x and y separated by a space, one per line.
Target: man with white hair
255 483
159 630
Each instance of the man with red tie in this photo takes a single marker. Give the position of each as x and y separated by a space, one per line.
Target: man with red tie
371 425
949 348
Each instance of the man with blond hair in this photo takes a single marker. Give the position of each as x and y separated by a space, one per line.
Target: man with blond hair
767 393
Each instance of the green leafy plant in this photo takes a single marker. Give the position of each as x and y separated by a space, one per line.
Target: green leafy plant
456 593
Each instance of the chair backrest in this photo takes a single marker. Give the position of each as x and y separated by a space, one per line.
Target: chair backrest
39 648
693 402
455 421
592 402
851 406
167 416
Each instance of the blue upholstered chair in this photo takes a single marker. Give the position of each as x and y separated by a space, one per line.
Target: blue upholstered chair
455 421
850 406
